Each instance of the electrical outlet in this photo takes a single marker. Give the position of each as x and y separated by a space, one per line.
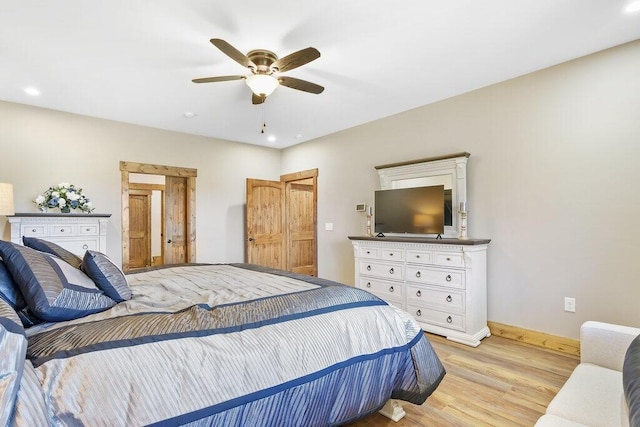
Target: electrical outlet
570 304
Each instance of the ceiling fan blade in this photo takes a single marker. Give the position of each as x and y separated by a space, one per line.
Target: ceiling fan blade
296 59
233 53
257 99
302 85
217 79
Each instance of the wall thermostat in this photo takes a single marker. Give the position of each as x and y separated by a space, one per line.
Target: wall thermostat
360 207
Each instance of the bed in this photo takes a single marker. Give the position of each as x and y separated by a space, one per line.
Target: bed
203 344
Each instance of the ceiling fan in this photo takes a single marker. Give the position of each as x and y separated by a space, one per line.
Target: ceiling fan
263 64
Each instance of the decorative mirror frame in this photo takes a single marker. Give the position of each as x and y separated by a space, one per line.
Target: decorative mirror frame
453 165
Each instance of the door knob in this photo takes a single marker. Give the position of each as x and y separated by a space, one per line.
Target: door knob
251 239
169 241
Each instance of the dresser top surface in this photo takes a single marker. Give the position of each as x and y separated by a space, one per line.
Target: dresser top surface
58 215
430 240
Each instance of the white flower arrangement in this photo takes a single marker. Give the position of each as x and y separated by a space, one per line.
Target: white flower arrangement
64 196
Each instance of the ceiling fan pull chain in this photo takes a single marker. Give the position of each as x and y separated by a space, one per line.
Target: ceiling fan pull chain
264 123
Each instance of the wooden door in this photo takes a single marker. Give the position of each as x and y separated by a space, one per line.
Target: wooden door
139 228
300 199
282 222
265 223
175 234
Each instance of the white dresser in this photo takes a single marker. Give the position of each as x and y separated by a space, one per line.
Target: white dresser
74 232
442 283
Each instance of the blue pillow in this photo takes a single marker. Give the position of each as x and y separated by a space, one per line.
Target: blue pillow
631 380
54 290
52 248
106 275
10 293
9 290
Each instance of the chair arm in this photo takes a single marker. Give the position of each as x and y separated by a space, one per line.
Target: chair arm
605 344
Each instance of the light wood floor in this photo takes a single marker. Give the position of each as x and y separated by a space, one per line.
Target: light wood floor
502 382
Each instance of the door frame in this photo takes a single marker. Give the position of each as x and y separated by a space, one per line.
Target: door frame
150 169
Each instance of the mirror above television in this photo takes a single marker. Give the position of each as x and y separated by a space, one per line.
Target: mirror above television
449 171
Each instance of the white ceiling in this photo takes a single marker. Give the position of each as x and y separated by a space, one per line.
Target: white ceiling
133 60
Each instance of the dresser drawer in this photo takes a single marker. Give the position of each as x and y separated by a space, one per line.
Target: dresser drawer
420 257
436 276
392 254
368 253
61 230
444 299
34 230
436 317
384 290
449 259
383 270
78 246
88 230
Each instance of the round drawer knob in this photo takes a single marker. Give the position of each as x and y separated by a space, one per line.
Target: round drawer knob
62 230
85 246
391 270
418 274
448 259
448 278
368 284
368 252
391 289
418 313
449 319
391 254
88 229
449 299
368 268
418 294
33 230
417 256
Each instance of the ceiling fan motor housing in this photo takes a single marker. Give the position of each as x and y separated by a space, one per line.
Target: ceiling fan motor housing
263 60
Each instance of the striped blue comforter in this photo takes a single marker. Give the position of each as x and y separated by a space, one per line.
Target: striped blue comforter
224 345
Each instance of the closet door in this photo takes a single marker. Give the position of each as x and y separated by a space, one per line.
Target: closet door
176 237
139 228
265 223
301 227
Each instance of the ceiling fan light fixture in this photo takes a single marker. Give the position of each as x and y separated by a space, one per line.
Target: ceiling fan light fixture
262 84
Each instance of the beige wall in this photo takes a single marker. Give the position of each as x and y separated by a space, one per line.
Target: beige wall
553 181
40 147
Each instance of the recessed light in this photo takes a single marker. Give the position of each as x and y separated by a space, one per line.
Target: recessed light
633 7
31 91
299 136
271 138
189 115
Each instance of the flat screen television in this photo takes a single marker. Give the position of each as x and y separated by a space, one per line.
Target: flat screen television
417 210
